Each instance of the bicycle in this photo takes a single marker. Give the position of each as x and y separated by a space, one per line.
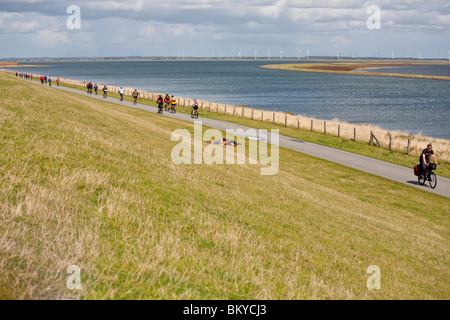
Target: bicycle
422 177
194 114
173 109
135 99
160 108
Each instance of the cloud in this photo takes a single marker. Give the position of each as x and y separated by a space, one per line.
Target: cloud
164 27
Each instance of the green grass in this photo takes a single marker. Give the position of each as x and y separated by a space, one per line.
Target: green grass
360 148
91 183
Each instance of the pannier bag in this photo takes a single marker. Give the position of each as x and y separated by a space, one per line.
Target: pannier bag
416 170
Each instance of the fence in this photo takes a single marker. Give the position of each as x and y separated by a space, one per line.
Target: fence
392 140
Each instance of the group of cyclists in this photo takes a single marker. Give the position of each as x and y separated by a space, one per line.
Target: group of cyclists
43 79
168 103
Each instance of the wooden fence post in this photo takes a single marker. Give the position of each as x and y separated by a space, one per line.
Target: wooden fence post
253 111
371 138
408 150
262 115
273 118
312 125
354 134
234 111
225 109
325 127
242 112
339 130
390 142
285 120
298 123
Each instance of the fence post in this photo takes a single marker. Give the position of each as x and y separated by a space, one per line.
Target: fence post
339 130
252 113
408 150
273 118
242 112
390 142
225 109
298 123
371 138
285 120
262 115
234 111
325 127
312 125
354 134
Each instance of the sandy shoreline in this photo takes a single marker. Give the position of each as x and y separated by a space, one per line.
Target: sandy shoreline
352 68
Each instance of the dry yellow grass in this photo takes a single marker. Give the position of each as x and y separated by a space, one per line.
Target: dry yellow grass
91 184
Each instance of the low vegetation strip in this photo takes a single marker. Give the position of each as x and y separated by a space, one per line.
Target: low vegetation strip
90 184
352 69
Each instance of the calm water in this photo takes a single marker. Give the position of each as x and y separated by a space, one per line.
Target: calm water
410 105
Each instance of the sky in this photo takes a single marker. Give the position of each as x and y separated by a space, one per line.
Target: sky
224 28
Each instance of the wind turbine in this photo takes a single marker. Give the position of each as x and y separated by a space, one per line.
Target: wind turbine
392 55
307 54
240 54
339 55
255 54
268 54
420 55
281 54
299 54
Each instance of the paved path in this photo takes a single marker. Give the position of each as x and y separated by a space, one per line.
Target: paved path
366 164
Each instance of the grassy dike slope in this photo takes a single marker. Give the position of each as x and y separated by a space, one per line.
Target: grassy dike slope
92 184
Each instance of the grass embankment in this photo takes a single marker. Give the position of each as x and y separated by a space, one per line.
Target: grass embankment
90 183
352 67
364 149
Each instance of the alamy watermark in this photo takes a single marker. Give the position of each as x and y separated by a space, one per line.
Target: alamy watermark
374 20
231 151
74 280
73 22
374 281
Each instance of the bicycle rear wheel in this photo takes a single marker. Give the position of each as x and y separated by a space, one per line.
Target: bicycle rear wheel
422 179
433 180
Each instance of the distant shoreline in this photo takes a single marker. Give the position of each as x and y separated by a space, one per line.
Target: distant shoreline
16 65
351 68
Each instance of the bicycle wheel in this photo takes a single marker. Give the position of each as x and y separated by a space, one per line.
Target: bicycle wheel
422 179
433 180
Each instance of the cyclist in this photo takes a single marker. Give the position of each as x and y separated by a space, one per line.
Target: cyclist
57 82
49 81
166 101
135 95
105 91
160 103
121 93
96 89
425 160
194 106
173 103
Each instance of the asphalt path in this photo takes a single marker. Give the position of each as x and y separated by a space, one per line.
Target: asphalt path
373 166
